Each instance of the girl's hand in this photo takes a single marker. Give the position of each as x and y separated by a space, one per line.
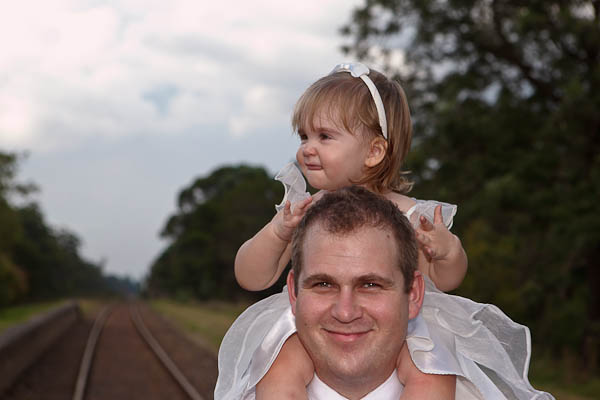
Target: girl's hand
445 258
435 239
284 226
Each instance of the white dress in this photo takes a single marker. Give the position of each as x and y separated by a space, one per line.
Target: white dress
486 350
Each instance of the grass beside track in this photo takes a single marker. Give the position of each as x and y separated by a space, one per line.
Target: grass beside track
91 306
15 315
565 380
204 323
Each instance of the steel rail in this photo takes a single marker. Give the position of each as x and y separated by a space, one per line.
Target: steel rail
162 355
88 354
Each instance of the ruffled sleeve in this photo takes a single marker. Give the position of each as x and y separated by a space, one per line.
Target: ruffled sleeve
487 351
427 209
251 345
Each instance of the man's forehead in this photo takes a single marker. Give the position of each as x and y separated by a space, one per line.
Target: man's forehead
365 247
318 232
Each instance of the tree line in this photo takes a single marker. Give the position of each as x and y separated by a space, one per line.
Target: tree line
215 215
37 261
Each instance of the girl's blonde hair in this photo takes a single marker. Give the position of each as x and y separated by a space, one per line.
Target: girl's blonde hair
347 99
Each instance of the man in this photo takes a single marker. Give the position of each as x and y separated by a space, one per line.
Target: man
353 287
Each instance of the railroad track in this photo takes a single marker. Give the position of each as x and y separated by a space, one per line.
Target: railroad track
144 334
127 352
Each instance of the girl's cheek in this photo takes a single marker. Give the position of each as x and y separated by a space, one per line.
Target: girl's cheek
299 155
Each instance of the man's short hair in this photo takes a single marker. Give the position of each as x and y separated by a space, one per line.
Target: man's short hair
350 209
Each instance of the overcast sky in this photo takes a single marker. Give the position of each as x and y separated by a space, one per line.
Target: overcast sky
123 103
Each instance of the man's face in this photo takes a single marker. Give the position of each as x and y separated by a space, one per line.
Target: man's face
351 308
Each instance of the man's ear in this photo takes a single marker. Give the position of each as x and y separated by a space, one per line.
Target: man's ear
415 295
377 151
291 290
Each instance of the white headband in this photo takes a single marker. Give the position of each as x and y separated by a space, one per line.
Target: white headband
361 71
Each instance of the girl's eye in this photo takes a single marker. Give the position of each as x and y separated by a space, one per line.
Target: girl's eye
303 138
324 136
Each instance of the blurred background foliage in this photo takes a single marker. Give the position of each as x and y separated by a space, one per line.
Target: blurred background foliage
215 215
37 261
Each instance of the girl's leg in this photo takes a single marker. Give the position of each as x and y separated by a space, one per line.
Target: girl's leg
421 386
289 375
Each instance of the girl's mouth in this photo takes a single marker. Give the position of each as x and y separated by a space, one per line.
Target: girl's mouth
313 167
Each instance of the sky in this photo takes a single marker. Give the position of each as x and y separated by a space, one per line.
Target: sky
121 104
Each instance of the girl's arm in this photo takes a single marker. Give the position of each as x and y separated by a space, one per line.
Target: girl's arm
262 258
446 260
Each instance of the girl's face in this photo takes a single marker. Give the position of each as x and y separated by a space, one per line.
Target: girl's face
331 157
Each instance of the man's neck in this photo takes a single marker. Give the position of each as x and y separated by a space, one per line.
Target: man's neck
354 389
391 388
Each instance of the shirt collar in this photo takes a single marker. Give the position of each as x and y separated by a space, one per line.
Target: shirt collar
390 389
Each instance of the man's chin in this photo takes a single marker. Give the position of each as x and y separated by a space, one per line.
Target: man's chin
347 358
348 365
350 358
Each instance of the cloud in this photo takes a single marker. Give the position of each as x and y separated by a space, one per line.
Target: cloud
261 106
74 69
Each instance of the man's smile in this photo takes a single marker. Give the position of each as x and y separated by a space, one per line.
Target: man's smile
346 337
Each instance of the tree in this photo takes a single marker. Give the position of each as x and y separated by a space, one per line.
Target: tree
215 215
13 281
51 261
37 261
505 97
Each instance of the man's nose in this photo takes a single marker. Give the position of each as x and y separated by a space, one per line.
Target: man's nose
346 308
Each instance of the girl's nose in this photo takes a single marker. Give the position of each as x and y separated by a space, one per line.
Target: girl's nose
346 308
308 149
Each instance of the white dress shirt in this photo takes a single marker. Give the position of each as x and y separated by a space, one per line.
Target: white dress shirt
390 389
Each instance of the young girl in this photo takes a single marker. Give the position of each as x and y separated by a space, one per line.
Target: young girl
354 127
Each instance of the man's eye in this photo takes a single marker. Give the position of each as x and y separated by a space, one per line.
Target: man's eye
371 285
322 285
